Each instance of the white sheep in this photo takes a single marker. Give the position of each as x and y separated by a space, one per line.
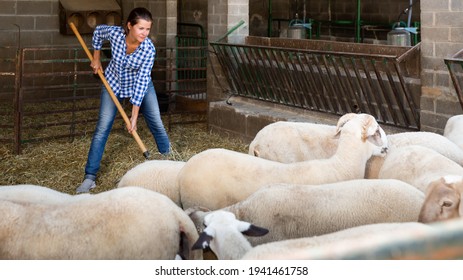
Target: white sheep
216 178
443 200
454 130
300 141
224 235
295 211
430 140
35 194
125 223
418 166
298 248
155 175
287 142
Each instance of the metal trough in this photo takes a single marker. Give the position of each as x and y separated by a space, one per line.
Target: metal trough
326 76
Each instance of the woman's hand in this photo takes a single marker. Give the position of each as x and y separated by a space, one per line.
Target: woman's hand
96 63
133 119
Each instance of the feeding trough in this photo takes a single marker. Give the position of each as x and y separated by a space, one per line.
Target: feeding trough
327 76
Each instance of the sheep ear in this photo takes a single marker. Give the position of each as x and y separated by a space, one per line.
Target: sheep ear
203 241
456 183
343 120
194 209
255 231
375 139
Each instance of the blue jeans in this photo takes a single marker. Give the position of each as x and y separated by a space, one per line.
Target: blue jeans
150 110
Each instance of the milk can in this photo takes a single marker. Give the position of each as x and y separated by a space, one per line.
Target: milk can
399 37
297 31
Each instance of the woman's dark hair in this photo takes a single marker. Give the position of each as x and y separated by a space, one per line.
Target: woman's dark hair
137 14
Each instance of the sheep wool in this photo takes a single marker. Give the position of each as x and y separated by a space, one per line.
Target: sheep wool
418 166
216 178
125 223
156 175
296 211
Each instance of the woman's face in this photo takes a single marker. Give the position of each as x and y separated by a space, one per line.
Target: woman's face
139 31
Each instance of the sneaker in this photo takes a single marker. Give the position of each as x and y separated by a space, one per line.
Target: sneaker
86 186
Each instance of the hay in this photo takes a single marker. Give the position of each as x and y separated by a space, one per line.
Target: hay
59 164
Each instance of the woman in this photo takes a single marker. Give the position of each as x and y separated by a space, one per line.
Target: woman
129 75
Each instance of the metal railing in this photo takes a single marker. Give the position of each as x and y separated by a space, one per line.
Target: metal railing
455 67
180 76
51 96
330 81
9 79
50 93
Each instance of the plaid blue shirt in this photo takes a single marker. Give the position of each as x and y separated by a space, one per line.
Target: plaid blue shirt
128 75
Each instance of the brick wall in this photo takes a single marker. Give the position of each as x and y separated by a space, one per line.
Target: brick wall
35 24
39 22
441 37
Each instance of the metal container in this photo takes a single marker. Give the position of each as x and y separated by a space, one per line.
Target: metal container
399 37
297 32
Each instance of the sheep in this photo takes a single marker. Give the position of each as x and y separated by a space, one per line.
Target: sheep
453 130
290 142
216 178
298 248
35 194
295 211
418 166
224 235
155 175
443 200
430 140
123 223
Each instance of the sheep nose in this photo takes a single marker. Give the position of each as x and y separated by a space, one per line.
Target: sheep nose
384 150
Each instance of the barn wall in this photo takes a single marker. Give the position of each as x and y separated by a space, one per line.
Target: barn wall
442 37
192 12
36 24
39 22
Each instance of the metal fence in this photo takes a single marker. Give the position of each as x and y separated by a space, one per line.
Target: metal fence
51 98
455 67
180 76
324 80
50 93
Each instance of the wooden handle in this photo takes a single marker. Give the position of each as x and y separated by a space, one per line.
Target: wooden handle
110 92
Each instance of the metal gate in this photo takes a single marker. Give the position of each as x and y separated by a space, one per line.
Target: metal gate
50 93
180 76
322 76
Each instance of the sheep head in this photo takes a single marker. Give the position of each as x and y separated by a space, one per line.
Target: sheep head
224 235
443 200
370 130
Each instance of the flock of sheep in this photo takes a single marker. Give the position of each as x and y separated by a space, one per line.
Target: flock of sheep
302 187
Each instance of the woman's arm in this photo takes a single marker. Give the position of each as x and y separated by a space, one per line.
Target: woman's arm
133 119
100 34
96 62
